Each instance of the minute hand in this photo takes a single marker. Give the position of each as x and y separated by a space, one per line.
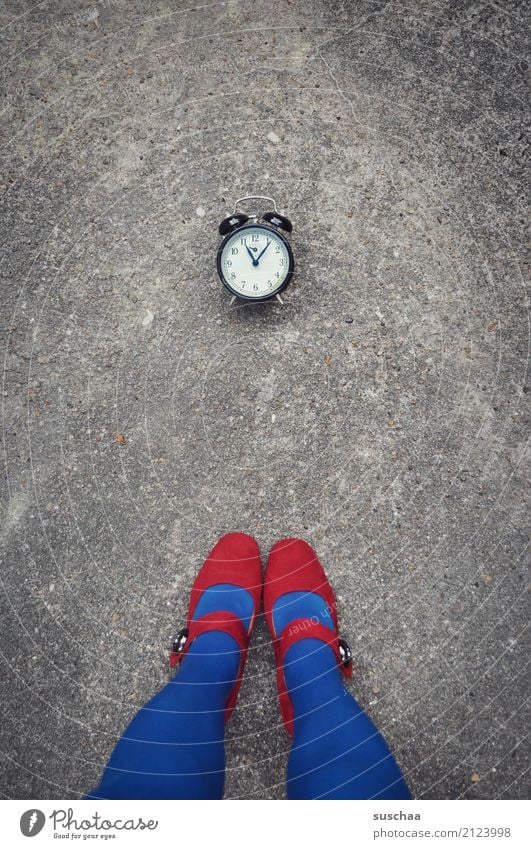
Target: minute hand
263 252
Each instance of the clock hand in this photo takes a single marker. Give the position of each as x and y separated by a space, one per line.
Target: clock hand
263 252
250 252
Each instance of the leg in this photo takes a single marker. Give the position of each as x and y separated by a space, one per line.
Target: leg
337 751
174 747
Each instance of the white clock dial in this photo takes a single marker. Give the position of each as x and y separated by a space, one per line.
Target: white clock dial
254 262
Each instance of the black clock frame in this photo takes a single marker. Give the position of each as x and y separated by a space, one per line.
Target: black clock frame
280 236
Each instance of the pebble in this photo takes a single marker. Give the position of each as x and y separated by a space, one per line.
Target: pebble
200 211
148 319
349 319
273 138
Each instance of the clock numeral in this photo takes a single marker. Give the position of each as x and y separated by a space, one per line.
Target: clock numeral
255 238
277 249
277 275
255 287
281 262
229 263
234 251
233 276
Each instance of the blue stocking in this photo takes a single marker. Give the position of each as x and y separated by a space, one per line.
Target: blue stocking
337 752
174 746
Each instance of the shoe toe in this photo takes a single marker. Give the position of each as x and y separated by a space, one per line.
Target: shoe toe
236 547
289 555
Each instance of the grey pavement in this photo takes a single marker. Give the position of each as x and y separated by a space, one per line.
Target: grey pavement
381 412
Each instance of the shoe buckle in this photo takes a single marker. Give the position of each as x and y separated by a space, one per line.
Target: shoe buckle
177 646
345 653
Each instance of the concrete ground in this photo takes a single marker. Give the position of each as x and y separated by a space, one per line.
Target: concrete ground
380 413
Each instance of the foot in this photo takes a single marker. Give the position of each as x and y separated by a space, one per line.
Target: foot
224 601
300 609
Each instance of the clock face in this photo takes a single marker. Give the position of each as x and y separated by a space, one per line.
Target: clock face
255 262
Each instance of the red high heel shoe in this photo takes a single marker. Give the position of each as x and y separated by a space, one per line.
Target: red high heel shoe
235 559
293 566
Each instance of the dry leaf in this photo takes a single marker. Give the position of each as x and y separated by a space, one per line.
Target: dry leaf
474 778
119 438
115 616
327 360
487 579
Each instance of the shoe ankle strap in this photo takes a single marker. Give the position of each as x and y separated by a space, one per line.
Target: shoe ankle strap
218 620
302 629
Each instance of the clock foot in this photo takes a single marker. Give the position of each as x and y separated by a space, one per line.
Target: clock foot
277 296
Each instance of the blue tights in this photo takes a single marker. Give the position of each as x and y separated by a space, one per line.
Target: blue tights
174 746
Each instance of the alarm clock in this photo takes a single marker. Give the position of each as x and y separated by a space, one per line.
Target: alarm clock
255 260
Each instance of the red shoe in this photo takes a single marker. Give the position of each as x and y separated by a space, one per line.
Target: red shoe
235 559
293 566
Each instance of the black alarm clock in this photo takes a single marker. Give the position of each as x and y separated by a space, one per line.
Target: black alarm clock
255 260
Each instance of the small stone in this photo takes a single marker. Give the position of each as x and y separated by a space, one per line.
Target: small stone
474 778
200 212
148 319
349 319
273 137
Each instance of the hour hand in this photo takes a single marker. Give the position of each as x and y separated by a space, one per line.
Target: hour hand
249 251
